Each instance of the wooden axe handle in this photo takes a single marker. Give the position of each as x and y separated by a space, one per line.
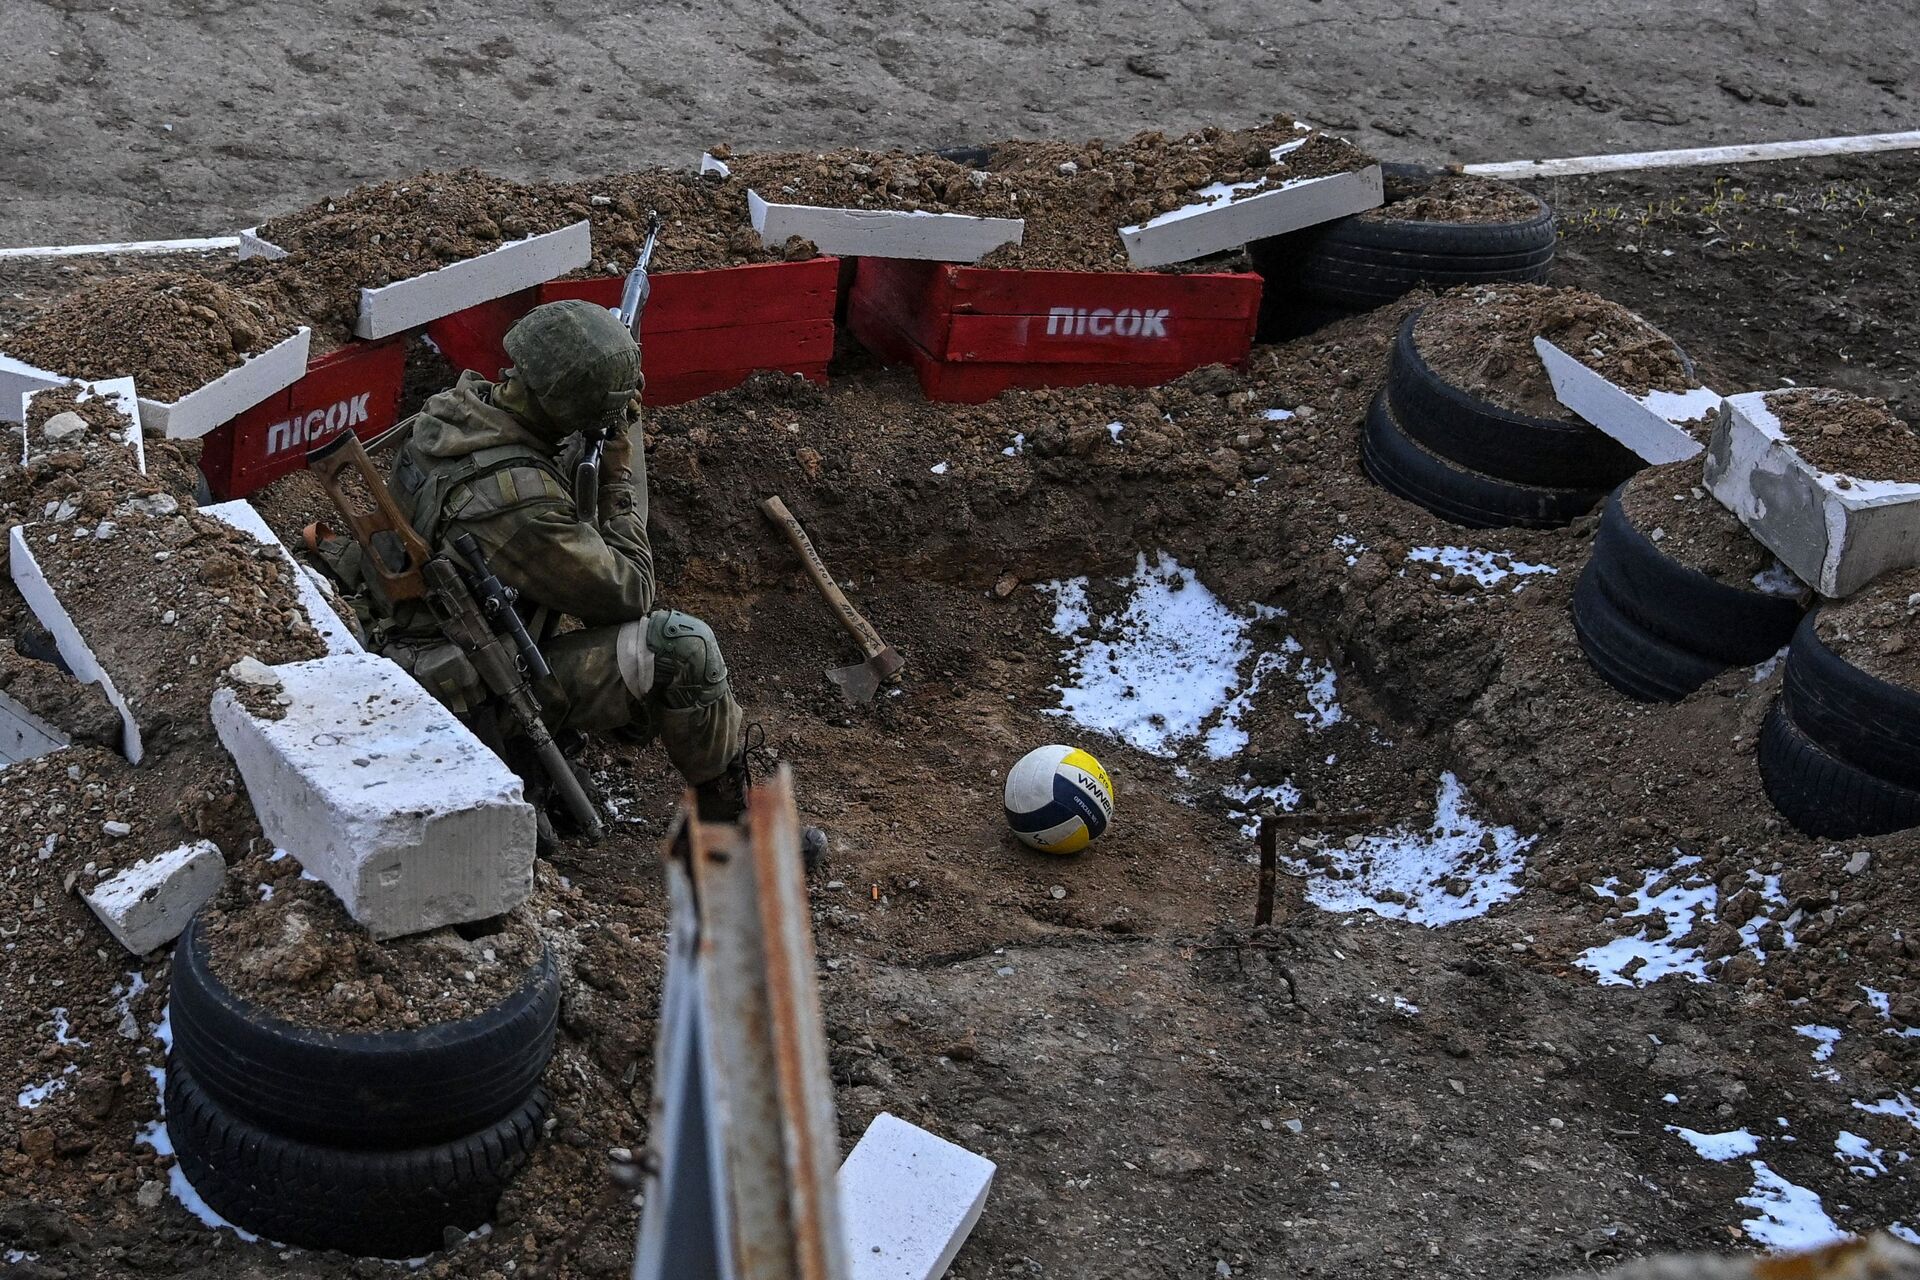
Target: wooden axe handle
870 642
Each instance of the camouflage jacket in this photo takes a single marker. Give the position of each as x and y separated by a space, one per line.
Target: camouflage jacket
466 465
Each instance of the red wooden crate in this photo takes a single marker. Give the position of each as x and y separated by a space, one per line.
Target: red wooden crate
705 330
971 333
356 387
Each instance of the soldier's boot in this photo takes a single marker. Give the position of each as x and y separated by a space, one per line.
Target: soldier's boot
724 799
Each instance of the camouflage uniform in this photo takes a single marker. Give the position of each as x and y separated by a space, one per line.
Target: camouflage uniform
487 459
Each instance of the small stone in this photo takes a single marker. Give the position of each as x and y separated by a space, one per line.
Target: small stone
1058 891
152 504
62 427
150 1194
252 671
1457 1087
1292 1126
1556 1123
168 618
1859 862
1658 535
118 830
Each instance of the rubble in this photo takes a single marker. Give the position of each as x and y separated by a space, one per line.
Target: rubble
147 905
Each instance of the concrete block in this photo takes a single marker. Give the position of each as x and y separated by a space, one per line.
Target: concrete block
125 398
884 233
34 588
148 904
1216 222
232 393
24 735
326 620
408 304
1650 425
908 1200
1837 533
376 789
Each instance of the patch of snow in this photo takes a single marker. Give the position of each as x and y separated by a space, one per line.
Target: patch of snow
1456 869
1669 1097
155 1135
1776 902
1827 1037
1791 1217
1717 1146
129 1027
1114 429
1902 1231
1859 1155
1883 1005
266 892
1317 677
1352 546
1481 566
35 1094
1019 445
1227 739
63 1030
1683 903
1249 802
1279 415
1771 665
938 468
1778 580
1899 1106
1070 616
1407 1007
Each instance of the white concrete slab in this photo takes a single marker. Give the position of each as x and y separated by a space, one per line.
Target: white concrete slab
1837 533
38 592
125 398
147 905
883 233
232 393
408 304
200 244
1743 153
24 735
337 636
1216 222
1649 425
908 1200
377 789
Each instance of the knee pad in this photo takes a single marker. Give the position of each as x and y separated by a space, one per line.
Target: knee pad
688 667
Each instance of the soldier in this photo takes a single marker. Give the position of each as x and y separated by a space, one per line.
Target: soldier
495 460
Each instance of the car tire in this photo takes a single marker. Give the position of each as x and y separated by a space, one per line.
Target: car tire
1482 436
1406 469
1868 722
384 1204
1820 793
360 1089
1735 625
1630 658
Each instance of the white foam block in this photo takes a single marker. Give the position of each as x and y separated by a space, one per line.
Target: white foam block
24 735
908 1200
884 233
1649 425
125 398
320 611
1217 222
1837 533
19 379
232 393
255 245
148 905
38 592
377 789
408 304
709 163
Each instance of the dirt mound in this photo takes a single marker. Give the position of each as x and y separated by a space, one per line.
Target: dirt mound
377 234
1690 525
1454 198
171 332
1878 630
1848 435
704 223
284 941
1073 196
1480 338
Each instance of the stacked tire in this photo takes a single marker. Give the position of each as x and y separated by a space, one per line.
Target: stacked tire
371 1143
1840 749
1472 462
1657 629
1359 263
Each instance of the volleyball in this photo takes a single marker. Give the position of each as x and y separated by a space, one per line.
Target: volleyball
1058 799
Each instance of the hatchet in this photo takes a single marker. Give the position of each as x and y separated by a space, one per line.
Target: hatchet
859 682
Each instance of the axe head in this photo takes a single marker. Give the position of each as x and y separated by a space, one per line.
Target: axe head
859 682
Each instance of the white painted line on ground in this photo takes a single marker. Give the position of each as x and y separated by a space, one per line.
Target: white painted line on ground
1803 149
209 244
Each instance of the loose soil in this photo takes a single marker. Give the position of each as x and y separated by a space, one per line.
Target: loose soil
1073 196
1455 198
1131 1049
704 223
1848 435
1480 338
283 941
1691 526
171 332
375 235
1877 630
